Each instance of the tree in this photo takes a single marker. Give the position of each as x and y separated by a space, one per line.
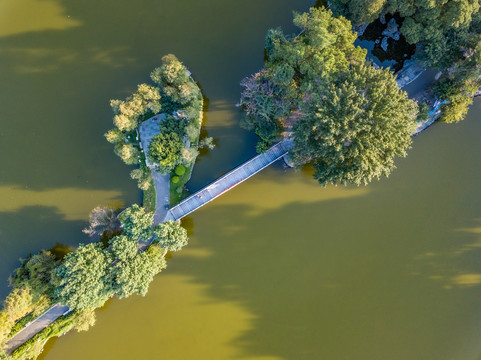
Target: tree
143 177
461 81
83 280
165 150
115 136
177 87
6 324
136 223
171 72
132 270
102 219
264 104
36 273
127 152
127 113
207 142
85 320
353 129
18 303
171 236
434 25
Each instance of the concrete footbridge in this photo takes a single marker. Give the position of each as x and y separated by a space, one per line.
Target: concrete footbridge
229 180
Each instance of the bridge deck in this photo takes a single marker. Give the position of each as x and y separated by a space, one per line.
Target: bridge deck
229 180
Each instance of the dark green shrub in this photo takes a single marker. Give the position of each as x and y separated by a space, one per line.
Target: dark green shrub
180 170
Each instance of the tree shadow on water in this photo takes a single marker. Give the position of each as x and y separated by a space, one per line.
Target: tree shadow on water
30 230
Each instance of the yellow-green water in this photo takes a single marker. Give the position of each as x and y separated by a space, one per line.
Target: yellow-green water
277 268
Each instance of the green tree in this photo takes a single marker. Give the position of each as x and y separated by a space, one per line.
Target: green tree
165 151
18 303
354 128
36 273
115 136
127 152
175 82
83 280
132 270
146 100
435 25
171 236
136 223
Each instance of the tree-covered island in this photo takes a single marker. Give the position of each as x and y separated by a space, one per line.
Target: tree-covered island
347 119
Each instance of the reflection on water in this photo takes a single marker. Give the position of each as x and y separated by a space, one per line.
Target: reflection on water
277 268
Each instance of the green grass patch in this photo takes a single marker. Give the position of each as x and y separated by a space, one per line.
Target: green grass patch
148 198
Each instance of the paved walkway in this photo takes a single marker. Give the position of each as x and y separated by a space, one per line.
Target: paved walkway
162 194
228 181
35 326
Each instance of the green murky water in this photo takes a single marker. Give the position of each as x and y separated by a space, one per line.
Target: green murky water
277 268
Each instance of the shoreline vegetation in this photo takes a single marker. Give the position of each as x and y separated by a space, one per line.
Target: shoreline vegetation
316 87
128 249
177 95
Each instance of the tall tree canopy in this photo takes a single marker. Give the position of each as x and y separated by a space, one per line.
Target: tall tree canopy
133 271
83 279
171 236
136 223
353 129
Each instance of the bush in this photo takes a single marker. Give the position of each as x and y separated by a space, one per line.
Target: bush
175 179
180 170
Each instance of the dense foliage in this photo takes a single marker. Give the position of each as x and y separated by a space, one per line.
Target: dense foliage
83 277
436 25
354 128
347 119
446 35
132 271
171 236
165 151
86 277
295 66
461 81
